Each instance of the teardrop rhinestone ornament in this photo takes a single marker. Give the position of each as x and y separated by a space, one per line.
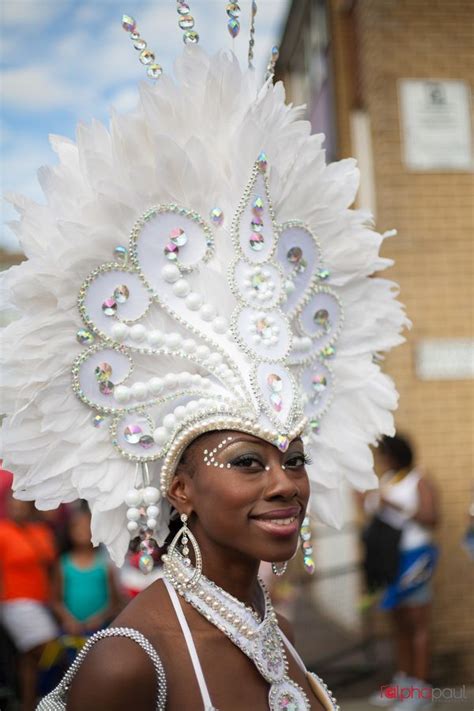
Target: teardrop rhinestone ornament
328 352
314 424
276 401
109 307
98 420
257 223
233 9
190 37
257 205
171 252
128 23
121 294
323 274
154 71
178 237
85 337
282 442
186 22
121 254
103 371
182 9
319 384
145 563
146 57
256 241
262 162
294 255
234 28
139 44
321 317
146 441
275 383
132 434
217 216
106 387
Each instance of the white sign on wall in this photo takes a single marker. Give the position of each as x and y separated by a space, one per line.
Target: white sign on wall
435 118
445 359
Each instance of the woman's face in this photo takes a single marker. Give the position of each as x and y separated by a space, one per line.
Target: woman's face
247 498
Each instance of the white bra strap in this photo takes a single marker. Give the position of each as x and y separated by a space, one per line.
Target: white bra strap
293 651
206 699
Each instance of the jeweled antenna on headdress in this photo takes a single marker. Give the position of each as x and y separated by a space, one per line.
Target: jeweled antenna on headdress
146 56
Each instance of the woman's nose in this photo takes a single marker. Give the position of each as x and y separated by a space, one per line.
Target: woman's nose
280 482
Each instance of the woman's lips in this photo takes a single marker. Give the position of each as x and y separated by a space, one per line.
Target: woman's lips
281 522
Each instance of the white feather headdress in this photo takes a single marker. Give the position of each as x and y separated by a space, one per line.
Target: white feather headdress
196 267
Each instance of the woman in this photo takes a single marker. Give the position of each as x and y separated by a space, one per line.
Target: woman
27 556
222 318
408 502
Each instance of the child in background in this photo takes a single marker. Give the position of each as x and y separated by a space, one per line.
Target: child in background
85 592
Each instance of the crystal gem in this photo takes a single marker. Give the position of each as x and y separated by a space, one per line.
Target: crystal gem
106 387
148 545
146 56
257 205
178 237
275 54
154 71
121 294
233 9
254 8
309 564
282 442
183 8
190 37
275 383
314 424
103 371
258 281
146 441
109 307
256 241
121 254
132 434
217 216
171 251
301 266
262 162
294 255
145 563
234 27
319 383
307 546
84 336
305 533
276 401
128 23
186 22
257 223
323 274
186 562
98 420
139 43
328 352
321 317
263 327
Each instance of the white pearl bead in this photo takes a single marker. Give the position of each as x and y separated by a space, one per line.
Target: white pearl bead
132 526
220 324
119 331
170 273
207 312
192 406
122 394
214 358
151 523
189 344
181 288
160 435
306 343
133 497
155 338
139 391
179 412
169 421
170 380
133 514
193 301
173 340
155 386
151 495
152 511
138 332
183 378
202 351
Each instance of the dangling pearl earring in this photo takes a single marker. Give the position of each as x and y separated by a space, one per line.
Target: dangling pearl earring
307 546
187 537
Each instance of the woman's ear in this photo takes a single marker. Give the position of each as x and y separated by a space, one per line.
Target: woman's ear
179 493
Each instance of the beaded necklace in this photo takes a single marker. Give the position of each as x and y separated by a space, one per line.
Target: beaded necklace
259 639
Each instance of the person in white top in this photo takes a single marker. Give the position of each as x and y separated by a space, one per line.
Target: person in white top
407 500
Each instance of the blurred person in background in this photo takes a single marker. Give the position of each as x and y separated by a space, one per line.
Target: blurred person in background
27 555
406 502
86 595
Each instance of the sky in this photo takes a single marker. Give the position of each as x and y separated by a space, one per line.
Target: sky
65 61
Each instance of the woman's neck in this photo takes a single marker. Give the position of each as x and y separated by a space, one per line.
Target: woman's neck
237 576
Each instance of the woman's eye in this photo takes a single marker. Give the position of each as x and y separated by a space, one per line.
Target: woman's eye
298 460
247 462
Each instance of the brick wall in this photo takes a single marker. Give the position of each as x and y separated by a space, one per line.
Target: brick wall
433 213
